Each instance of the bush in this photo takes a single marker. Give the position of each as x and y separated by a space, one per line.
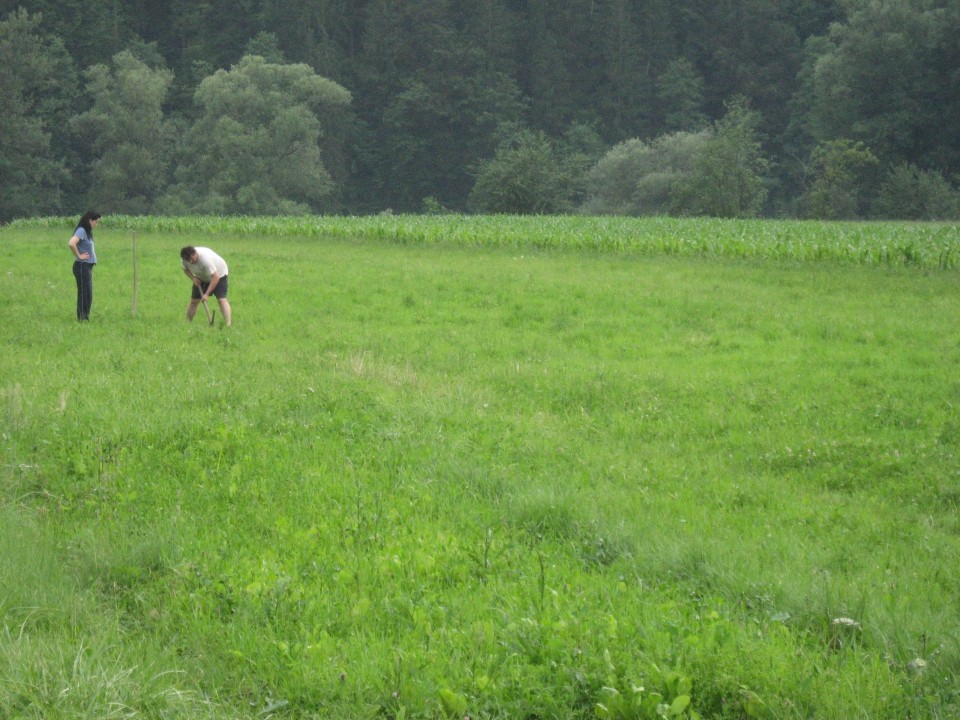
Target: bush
841 175
638 178
525 177
909 193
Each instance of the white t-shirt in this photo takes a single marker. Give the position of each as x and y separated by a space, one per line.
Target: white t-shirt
208 262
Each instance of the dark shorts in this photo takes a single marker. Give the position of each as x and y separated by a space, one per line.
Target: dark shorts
220 291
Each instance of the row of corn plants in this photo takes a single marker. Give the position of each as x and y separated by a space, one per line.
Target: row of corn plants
921 245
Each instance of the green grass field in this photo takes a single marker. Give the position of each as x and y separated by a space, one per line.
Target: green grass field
439 475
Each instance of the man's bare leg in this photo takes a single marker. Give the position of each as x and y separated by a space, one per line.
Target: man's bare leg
225 311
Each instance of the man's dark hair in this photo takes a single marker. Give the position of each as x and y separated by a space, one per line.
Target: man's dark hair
187 252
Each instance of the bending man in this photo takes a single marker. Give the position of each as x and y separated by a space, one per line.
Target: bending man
208 273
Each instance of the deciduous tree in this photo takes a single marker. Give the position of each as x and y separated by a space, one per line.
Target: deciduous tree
639 178
909 193
128 139
36 77
841 176
680 95
255 148
437 104
889 78
524 177
729 171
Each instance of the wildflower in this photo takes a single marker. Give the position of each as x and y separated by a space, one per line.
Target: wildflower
843 629
846 622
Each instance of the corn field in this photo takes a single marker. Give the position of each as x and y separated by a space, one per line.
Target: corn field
920 245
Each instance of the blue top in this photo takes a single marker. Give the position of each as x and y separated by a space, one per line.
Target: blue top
85 245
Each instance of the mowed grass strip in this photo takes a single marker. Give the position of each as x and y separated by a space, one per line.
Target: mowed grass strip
430 481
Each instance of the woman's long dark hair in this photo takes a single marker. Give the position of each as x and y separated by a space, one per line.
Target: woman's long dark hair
85 221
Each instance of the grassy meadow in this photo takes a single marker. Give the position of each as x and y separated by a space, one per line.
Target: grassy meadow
450 467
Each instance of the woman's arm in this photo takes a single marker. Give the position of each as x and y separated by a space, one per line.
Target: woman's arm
73 248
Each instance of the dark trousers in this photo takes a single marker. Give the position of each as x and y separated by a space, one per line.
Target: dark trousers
83 272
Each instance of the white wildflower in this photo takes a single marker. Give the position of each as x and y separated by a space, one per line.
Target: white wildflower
846 622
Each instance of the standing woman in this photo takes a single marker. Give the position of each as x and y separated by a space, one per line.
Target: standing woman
81 245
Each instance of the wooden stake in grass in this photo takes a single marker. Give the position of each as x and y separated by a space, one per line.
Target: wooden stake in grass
133 309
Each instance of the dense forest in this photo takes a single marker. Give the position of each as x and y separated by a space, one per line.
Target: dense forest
792 108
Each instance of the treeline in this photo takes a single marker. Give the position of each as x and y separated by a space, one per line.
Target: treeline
736 108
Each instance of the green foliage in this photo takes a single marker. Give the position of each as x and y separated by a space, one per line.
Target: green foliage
525 177
434 99
620 43
432 82
454 705
887 79
754 53
728 178
842 174
267 46
910 193
438 129
716 172
569 65
680 90
37 79
668 697
637 178
579 150
883 244
255 149
612 181
128 138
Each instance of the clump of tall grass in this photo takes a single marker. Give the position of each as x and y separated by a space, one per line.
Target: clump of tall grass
62 654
